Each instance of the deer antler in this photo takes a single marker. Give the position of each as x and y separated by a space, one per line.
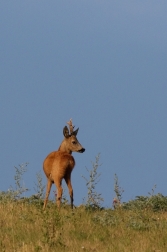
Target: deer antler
70 126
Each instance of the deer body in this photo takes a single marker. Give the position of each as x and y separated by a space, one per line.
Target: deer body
59 164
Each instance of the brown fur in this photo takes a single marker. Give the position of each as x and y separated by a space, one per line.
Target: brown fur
59 164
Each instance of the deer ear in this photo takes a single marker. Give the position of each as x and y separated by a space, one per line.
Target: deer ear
66 132
75 132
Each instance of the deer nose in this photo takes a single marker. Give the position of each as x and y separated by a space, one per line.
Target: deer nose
82 150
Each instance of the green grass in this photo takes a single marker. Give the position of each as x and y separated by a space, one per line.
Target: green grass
25 227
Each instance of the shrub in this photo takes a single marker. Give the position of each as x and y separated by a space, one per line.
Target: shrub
154 202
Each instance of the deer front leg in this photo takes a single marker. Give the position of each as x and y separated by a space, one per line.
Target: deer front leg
49 185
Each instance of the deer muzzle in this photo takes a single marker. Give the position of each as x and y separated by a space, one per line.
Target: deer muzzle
81 150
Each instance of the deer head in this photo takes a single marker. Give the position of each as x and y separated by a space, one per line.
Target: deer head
70 143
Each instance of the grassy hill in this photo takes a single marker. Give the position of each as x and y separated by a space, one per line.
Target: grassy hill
139 225
25 227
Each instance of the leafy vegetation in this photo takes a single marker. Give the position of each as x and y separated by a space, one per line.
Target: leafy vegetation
155 203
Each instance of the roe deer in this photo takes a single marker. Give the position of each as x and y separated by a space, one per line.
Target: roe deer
59 164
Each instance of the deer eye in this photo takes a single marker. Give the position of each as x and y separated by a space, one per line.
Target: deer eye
74 142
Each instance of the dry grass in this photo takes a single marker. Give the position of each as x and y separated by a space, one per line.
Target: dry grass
24 227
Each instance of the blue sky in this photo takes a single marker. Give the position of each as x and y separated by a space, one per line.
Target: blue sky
101 63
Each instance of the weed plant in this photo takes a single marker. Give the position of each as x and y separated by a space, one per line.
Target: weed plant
39 187
19 189
118 193
93 199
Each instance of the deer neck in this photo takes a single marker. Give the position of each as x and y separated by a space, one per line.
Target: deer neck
64 148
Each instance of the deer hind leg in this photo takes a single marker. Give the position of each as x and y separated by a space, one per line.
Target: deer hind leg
49 185
59 192
68 182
